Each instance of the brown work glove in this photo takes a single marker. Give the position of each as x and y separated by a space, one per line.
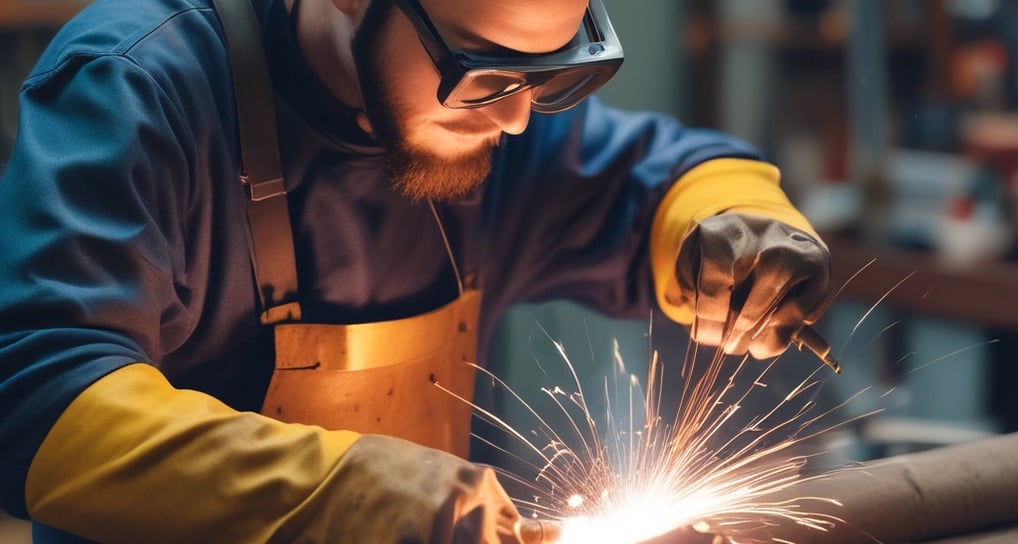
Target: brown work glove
395 491
754 282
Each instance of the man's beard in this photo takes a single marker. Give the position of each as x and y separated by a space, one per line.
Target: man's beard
417 173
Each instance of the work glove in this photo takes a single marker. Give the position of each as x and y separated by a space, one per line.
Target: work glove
133 459
755 282
395 491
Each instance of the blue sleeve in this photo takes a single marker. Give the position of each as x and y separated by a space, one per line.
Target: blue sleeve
572 201
89 208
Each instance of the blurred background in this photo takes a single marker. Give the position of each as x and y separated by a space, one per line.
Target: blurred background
894 125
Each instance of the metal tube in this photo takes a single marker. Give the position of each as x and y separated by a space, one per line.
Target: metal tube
538 531
914 497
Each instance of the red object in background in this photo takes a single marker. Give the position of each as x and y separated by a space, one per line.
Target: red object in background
961 208
992 139
977 71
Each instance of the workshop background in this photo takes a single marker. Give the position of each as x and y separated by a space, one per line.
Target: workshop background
894 125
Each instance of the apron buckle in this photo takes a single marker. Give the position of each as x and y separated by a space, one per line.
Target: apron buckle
281 313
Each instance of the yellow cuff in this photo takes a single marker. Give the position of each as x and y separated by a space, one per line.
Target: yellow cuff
721 185
133 459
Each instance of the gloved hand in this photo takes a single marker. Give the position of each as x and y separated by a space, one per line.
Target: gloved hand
394 491
133 459
754 282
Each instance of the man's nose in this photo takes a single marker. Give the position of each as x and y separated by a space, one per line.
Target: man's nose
512 113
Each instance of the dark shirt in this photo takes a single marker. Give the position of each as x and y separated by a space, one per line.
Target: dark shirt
123 226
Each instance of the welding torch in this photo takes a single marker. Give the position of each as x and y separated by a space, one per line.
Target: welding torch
538 531
808 338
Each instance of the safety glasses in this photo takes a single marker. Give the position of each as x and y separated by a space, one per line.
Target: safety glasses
560 79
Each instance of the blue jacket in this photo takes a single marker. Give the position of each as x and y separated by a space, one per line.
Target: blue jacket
122 236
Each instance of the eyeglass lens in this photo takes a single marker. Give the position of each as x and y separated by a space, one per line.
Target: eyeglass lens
565 88
561 91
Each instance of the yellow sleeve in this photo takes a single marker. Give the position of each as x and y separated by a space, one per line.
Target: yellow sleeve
134 456
717 186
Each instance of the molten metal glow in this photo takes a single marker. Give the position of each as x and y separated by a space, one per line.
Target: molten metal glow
639 518
643 476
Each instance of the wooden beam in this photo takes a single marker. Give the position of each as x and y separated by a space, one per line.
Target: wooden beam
19 14
981 293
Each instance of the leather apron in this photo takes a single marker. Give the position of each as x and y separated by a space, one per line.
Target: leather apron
379 378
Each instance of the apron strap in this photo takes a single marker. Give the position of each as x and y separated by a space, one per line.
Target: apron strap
271 237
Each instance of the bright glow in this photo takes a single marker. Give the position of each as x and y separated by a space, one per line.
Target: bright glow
641 476
641 518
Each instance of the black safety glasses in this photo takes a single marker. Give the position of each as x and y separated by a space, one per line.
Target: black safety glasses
559 80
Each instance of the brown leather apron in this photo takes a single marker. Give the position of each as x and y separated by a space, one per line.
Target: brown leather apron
379 378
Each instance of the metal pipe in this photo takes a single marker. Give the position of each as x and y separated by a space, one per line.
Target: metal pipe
1008 535
913 497
538 531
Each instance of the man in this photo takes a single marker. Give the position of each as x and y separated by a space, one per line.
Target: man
143 322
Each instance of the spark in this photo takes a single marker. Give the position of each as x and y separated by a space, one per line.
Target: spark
643 476
953 353
713 468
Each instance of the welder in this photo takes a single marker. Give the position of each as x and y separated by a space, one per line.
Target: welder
243 240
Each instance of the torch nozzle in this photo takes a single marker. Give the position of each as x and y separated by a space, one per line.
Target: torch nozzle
810 339
538 531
